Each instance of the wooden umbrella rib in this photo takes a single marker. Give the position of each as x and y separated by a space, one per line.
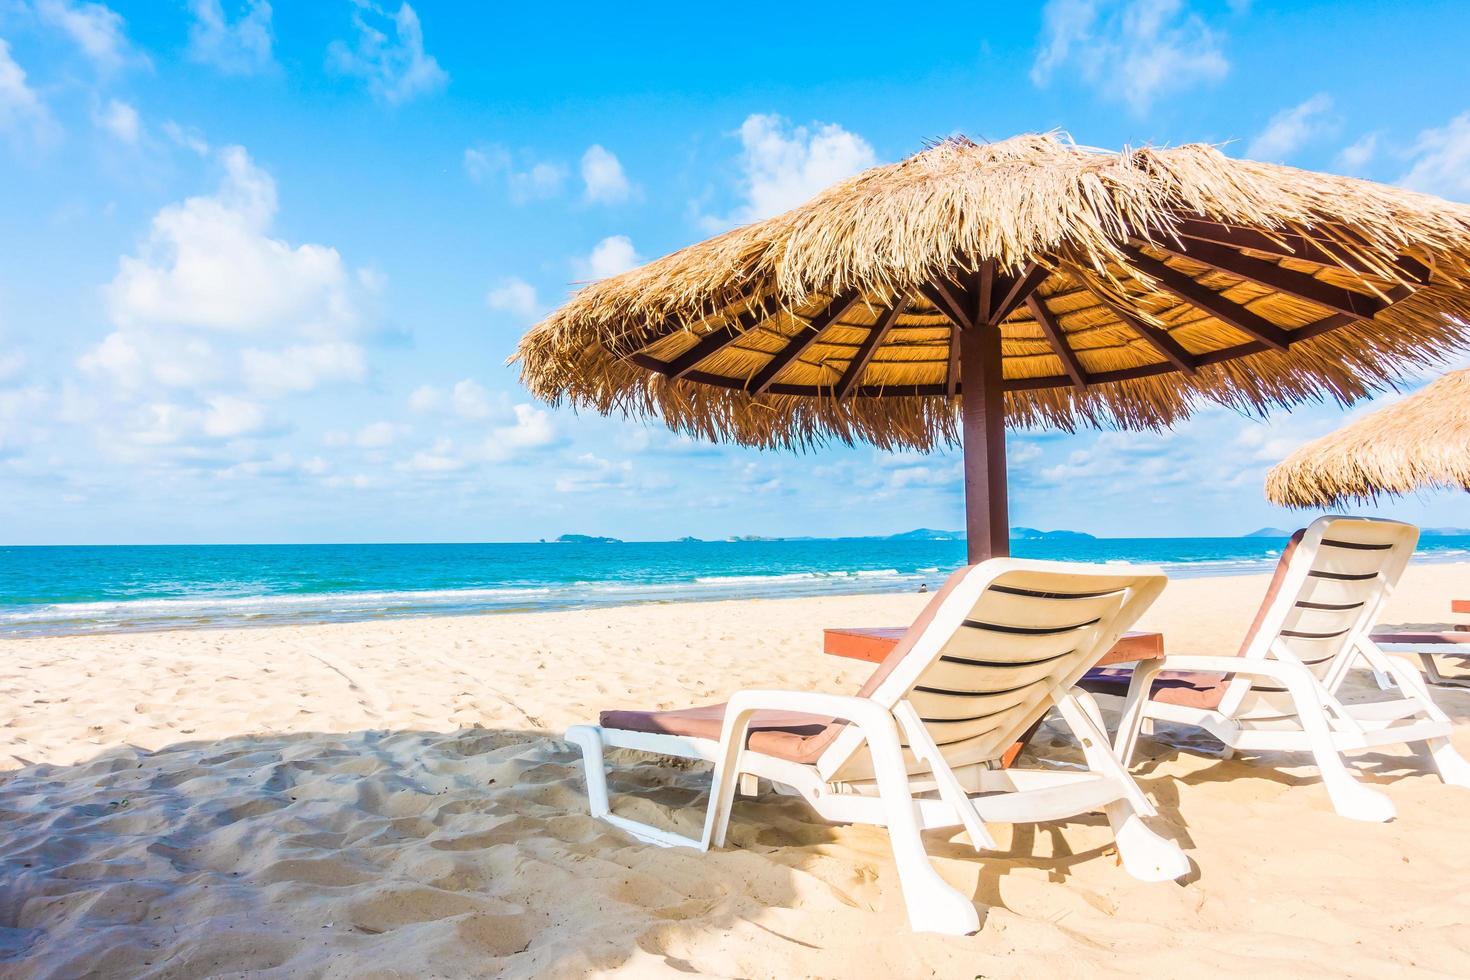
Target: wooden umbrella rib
798 344
1021 290
1299 285
952 371
1207 300
944 300
1292 245
1058 341
864 356
717 340
1158 339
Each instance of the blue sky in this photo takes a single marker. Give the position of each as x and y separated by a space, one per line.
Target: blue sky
263 263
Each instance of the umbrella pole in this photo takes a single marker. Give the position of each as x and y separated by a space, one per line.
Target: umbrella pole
983 431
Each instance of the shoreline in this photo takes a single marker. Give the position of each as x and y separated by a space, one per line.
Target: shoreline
763 588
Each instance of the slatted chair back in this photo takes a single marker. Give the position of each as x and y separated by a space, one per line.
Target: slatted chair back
1329 588
1005 639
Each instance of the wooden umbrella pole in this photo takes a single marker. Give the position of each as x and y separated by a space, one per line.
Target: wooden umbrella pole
983 430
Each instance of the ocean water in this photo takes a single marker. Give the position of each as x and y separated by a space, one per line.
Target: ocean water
82 589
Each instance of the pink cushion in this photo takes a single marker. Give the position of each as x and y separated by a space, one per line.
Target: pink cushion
782 734
1191 688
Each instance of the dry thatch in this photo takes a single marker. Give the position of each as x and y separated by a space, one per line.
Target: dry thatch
1420 442
1127 287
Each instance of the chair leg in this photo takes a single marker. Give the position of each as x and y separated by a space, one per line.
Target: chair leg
933 905
1453 768
1145 855
1350 798
589 741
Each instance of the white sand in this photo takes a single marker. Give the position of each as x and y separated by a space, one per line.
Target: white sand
390 799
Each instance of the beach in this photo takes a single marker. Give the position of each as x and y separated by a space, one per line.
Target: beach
392 798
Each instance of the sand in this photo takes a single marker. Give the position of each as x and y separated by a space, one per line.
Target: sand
391 799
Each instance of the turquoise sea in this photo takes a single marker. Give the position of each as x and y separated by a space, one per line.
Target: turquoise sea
79 589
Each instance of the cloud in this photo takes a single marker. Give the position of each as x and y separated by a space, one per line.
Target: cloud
438 460
426 398
1291 129
303 367
1133 51
396 68
22 113
377 435
471 400
121 120
229 417
12 363
782 166
535 180
241 46
513 295
609 257
603 177
532 429
595 474
98 30
209 263
1441 160
1354 159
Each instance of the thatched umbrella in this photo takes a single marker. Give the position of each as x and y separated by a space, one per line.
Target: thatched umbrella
1422 441
1029 281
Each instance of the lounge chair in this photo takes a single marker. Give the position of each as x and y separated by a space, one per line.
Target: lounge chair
1280 691
917 747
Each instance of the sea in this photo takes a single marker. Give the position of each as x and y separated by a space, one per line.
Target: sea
60 590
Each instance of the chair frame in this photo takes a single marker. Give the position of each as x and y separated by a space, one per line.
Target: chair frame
890 798
1326 727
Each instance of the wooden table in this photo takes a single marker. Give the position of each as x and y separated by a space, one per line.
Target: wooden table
872 644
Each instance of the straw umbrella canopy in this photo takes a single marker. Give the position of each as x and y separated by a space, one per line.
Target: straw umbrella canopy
1420 442
1028 281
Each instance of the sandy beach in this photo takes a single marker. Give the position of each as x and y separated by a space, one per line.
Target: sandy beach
392 799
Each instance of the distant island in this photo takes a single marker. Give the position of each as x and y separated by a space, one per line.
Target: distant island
586 539
927 534
1268 532
1032 534
1444 532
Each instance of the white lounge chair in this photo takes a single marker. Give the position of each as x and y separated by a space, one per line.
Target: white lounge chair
1280 692
915 749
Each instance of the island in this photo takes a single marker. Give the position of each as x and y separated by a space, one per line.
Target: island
927 534
1032 534
586 539
1268 532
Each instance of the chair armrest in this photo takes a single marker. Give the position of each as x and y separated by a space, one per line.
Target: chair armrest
846 707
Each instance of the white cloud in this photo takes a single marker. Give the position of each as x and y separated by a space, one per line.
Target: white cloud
303 367
121 120
783 166
513 295
1441 160
1134 51
21 109
471 400
236 47
12 363
186 137
437 460
609 257
229 417
1291 129
532 429
98 30
534 180
593 474
378 435
1354 159
396 68
603 177
209 263
426 398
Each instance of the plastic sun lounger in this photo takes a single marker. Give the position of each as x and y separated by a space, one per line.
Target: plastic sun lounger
916 748
1279 693
1427 645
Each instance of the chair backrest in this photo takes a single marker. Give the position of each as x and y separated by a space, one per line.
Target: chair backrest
1330 585
993 650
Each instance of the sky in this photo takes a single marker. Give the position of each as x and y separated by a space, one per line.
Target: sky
262 264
